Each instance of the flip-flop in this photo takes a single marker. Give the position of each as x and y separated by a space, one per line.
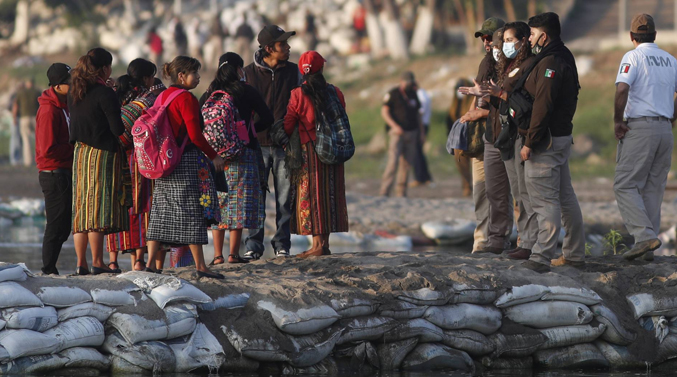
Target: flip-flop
213 262
237 258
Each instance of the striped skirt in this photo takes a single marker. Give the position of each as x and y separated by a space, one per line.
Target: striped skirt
319 204
101 198
242 207
185 202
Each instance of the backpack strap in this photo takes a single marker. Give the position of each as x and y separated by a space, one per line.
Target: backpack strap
164 103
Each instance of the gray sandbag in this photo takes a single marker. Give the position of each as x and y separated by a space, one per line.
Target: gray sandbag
13 295
326 367
4 355
62 297
152 356
544 314
112 297
362 355
578 356
78 332
402 310
657 325
431 356
302 321
263 342
354 307
366 328
135 328
484 319
83 357
581 295
426 296
667 349
619 357
88 309
517 345
19 343
472 342
418 328
569 335
312 349
469 294
37 319
13 272
33 365
615 333
647 304
234 301
391 355
521 295
122 367
516 364
181 319
201 349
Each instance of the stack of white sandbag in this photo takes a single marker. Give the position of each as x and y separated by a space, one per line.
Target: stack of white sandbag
657 314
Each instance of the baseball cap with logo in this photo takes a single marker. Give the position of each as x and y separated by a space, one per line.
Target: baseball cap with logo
271 34
310 62
59 73
643 24
489 26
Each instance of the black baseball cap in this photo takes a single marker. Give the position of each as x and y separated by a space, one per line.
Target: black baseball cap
59 73
408 76
273 33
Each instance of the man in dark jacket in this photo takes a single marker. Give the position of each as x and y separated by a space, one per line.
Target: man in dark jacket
54 158
274 77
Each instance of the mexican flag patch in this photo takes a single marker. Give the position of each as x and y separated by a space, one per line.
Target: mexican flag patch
549 73
625 68
512 112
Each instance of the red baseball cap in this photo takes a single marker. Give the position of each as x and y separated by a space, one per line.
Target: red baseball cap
310 62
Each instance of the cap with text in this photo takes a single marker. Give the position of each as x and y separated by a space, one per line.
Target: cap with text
310 62
59 73
643 24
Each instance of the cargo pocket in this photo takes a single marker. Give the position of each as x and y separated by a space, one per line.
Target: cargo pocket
539 172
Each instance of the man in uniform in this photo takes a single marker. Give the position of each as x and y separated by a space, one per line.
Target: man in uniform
643 113
553 83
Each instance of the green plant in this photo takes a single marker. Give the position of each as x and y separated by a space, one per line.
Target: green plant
588 249
613 242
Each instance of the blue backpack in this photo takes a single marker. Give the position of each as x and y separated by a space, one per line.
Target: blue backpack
334 142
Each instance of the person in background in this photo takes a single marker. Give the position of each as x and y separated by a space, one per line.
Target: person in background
25 109
421 172
320 193
244 36
100 200
459 105
15 147
180 37
196 35
185 201
242 205
360 26
54 158
400 111
155 46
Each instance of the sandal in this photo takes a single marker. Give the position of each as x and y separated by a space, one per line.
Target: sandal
219 258
115 270
236 258
143 264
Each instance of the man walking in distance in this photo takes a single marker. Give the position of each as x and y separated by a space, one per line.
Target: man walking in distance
25 109
643 113
274 76
553 83
54 157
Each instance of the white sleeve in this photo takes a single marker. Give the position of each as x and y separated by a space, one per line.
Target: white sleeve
674 61
628 70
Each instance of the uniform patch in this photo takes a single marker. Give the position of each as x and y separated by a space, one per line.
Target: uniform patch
386 98
512 112
625 68
513 72
549 73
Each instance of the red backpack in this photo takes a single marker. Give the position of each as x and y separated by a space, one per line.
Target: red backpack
226 132
157 153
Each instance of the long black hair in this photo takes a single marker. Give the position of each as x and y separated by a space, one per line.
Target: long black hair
521 31
315 87
131 85
227 78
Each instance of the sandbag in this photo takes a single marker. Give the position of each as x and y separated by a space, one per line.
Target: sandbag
112 298
37 319
88 309
657 325
618 356
148 280
181 319
20 343
430 356
135 328
542 314
667 349
82 357
615 333
646 304
362 354
516 364
365 328
200 350
326 367
521 295
426 296
267 348
33 365
391 355
122 367
402 310
2 324
479 295
571 335
12 272
580 295
354 307
472 342
234 301
153 356
62 297
4 355
183 291
485 319
517 345
418 328
78 332
578 356
302 321
311 349
13 295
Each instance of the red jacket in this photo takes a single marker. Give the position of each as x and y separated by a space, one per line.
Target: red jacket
301 111
185 117
52 147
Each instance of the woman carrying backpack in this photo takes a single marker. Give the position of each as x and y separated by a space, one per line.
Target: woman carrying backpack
319 206
101 195
184 202
133 91
242 205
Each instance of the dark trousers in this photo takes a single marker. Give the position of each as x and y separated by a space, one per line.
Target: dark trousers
57 188
421 171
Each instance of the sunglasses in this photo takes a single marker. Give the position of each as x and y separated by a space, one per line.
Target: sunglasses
486 38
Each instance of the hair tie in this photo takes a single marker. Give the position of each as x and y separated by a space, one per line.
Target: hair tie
222 64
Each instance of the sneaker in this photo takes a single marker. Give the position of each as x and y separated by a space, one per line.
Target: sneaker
488 249
561 261
252 255
642 248
536 267
520 253
282 253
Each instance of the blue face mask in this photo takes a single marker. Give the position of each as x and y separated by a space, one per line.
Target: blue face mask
509 50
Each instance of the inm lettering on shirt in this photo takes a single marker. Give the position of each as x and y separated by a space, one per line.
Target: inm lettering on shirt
658 61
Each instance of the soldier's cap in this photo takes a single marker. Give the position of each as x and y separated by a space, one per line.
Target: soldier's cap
643 24
408 77
489 26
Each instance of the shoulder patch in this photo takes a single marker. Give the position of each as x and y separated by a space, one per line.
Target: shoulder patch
549 73
625 68
386 98
513 72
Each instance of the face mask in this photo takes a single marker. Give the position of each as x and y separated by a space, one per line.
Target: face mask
460 96
537 48
497 54
509 50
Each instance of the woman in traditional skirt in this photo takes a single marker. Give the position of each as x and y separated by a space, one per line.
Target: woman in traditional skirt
101 196
133 91
242 205
185 201
319 204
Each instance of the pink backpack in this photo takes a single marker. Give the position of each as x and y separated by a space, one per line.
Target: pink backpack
225 131
157 153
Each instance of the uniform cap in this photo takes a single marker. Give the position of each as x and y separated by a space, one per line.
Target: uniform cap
59 73
408 76
273 33
489 26
310 62
643 24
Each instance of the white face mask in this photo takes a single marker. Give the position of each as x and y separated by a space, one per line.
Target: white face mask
509 50
497 54
460 96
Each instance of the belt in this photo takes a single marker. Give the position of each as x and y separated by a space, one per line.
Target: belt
56 171
647 119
